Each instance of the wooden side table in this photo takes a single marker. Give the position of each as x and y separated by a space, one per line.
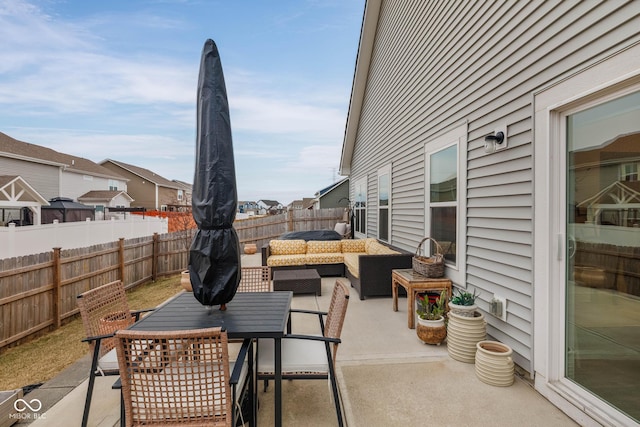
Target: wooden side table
413 283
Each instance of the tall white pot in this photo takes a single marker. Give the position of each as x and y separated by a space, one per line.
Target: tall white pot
463 333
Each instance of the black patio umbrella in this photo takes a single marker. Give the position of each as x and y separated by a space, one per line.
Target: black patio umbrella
214 256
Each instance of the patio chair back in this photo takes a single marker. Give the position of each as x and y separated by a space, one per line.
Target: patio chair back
105 310
255 279
175 377
336 314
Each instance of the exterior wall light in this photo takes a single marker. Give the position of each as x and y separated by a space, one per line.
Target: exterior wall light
496 141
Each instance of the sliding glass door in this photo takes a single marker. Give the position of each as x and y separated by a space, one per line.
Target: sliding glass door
602 317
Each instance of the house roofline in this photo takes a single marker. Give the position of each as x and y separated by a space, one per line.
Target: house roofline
151 179
32 159
95 174
360 76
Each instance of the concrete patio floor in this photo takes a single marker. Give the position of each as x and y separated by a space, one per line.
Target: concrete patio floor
386 375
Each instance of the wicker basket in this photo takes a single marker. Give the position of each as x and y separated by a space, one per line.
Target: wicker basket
432 266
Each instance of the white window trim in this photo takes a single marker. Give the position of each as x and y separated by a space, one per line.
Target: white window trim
610 78
457 135
362 180
382 171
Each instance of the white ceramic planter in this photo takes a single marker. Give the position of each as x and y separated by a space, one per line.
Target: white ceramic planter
494 364
463 333
463 310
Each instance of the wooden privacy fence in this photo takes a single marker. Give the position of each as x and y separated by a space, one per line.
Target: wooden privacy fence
38 292
262 229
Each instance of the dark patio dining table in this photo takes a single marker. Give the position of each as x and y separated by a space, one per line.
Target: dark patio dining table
248 315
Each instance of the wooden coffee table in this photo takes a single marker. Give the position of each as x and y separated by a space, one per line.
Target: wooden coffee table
414 283
301 281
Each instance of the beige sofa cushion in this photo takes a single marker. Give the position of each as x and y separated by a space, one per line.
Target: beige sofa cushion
325 258
376 248
368 242
353 245
282 260
324 246
347 251
351 262
287 247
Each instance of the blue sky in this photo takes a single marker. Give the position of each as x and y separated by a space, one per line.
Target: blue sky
117 79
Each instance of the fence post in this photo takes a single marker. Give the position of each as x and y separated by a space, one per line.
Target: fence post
290 220
56 288
154 259
121 259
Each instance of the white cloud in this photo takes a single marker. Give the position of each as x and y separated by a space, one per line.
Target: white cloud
68 87
58 67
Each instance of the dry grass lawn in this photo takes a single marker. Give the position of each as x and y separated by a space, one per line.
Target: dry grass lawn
43 358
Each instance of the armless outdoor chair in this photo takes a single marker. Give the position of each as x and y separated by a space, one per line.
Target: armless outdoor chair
182 377
104 310
255 279
309 356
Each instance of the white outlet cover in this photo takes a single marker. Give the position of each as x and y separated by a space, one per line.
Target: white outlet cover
503 300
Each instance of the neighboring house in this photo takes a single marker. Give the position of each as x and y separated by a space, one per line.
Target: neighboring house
436 83
295 205
305 203
334 196
147 188
106 199
187 191
53 174
249 208
270 207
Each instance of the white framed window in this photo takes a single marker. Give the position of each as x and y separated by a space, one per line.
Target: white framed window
445 199
384 204
180 194
630 172
360 207
113 185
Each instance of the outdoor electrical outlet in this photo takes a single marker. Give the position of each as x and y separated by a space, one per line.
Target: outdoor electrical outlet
498 307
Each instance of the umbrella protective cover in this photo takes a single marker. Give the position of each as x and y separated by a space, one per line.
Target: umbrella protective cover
214 256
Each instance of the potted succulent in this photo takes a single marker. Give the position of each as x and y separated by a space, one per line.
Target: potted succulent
431 328
463 303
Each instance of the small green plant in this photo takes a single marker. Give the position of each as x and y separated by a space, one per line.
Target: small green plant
463 297
431 307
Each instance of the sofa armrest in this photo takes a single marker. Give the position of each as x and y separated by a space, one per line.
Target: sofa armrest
265 254
375 272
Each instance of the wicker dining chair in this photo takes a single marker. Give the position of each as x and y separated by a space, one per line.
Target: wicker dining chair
309 356
255 279
104 310
181 377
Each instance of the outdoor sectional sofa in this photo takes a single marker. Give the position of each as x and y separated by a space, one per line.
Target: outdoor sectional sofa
367 263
